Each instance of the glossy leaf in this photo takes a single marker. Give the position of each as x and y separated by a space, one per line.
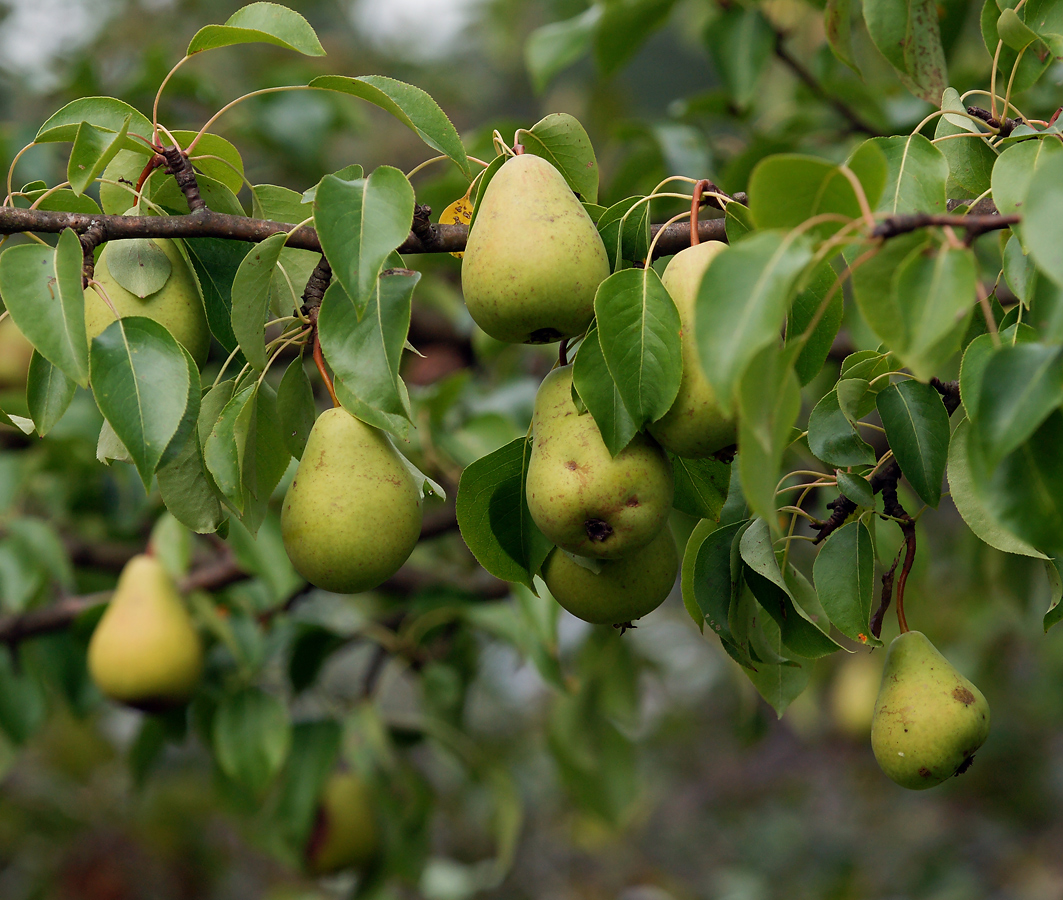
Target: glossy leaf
833 438
598 391
260 23
139 265
906 33
216 263
918 173
1013 175
971 159
856 488
1030 67
844 574
104 113
187 490
48 393
250 292
917 428
700 486
838 23
563 142
295 406
806 305
712 584
1042 228
625 231
93 149
252 736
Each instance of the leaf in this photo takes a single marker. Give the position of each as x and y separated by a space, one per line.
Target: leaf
41 288
552 48
1027 70
360 223
844 573
1013 175
139 265
315 747
410 105
741 305
48 393
563 142
806 304
366 354
778 683
216 262
1055 584
104 113
1020 386
638 329
769 400
712 582
700 486
93 149
493 515
918 173
917 428
1041 229
625 238
970 506
856 488
252 736
623 27
250 293
907 34
146 386
187 490
295 407
598 391
971 159
872 284
834 438
838 24
260 23
741 42
227 168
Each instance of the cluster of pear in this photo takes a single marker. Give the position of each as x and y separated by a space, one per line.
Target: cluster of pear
532 266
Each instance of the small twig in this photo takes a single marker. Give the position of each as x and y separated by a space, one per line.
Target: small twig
886 597
319 361
90 239
316 285
562 352
950 393
973 225
1004 128
177 164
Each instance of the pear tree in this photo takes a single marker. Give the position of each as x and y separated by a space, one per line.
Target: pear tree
756 399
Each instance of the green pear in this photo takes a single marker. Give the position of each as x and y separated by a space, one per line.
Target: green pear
176 305
15 353
929 720
534 258
145 651
853 692
345 834
352 515
694 426
622 590
583 499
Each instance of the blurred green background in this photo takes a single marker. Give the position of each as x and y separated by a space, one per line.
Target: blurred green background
663 776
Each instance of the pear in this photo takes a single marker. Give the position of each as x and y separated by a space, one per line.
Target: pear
534 258
694 426
176 305
583 499
15 353
345 832
622 590
145 651
929 720
352 515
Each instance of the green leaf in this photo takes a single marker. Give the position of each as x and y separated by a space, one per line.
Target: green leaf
623 28
260 23
62 200
1041 228
410 105
252 736
216 263
1020 386
598 391
806 304
872 284
844 573
837 18
42 290
552 48
493 515
394 423
711 583
146 386
1055 584
1020 273
366 354
187 490
563 142
742 303
1013 176
769 400
918 174
970 506
700 486
1029 68
833 436
315 747
106 114
741 42
1014 32
971 159
779 675
360 223
295 407
630 242
225 446
917 428
951 101
48 393
139 265
907 34
856 488
93 149
227 168
250 293
638 329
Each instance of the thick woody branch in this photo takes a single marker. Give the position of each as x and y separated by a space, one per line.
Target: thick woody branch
973 225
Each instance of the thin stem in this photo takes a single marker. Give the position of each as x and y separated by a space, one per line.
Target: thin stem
319 361
987 311
861 197
225 365
158 97
11 170
232 103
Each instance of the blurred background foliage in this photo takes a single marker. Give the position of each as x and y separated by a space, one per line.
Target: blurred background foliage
647 767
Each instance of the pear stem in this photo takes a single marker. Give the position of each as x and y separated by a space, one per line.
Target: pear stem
695 205
319 361
562 352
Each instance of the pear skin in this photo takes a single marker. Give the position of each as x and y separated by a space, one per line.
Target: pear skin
583 499
694 426
623 590
345 834
352 515
145 651
534 259
929 720
15 353
176 305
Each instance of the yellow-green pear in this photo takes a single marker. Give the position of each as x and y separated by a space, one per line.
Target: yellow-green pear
345 834
15 353
534 258
622 590
176 305
694 426
929 720
352 515
853 692
583 499
145 651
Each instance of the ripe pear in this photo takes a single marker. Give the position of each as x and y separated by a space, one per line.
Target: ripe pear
176 305
534 258
583 499
345 834
352 515
929 720
853 692
145 651
15 353
694 426
622 590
